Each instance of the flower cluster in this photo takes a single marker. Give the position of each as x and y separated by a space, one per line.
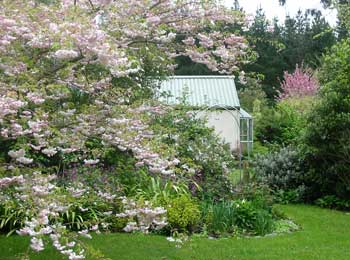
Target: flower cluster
37 192
142 218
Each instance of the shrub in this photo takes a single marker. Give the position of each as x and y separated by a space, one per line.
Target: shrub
280 170
183 214
252 218
332 201
290 196
243 216
327 135
283 172
285 123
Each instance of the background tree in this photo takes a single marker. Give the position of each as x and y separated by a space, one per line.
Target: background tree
327 135
277 47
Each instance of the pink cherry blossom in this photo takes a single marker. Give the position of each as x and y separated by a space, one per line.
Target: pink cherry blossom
298 84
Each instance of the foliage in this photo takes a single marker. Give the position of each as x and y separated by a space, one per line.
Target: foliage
160 192
12 217
205 160
277 46
284 124
285 226
239 216
296 195
250 93
333 202
327 135
283 172
279 170
183 213
218 217
303 38
248 212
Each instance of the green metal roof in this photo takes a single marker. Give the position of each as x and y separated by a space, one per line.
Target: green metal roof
201 91
244 114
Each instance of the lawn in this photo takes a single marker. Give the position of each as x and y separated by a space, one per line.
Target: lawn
325 234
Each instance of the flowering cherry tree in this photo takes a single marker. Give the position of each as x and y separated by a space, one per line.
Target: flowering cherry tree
300 83
64 66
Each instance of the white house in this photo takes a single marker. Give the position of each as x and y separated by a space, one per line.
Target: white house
215 98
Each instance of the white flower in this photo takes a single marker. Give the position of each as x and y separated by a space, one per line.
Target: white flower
50 151
94 228
107 213
84 233
76 193
37 244
24 160
106 195
242 78
131 226
8 181
167 172
71 244
66 54
16 154
176 161
74 256
121 215
46 230
176 240
36 98
153 20
91 162
189 41
170 239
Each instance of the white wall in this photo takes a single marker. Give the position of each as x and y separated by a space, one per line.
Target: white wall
226 125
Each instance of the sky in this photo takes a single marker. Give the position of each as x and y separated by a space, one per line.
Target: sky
273 9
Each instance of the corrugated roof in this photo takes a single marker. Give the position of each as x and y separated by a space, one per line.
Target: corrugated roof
201 90
244 114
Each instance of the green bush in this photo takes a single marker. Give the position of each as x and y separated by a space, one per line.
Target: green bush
283 172
333 202
290 196
328 132
285 123
239 216
183 214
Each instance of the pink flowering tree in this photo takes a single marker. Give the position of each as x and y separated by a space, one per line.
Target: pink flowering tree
69 71
300 83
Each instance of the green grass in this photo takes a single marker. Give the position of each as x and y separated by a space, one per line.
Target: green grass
325 235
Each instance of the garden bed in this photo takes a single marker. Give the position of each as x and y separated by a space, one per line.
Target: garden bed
324 235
